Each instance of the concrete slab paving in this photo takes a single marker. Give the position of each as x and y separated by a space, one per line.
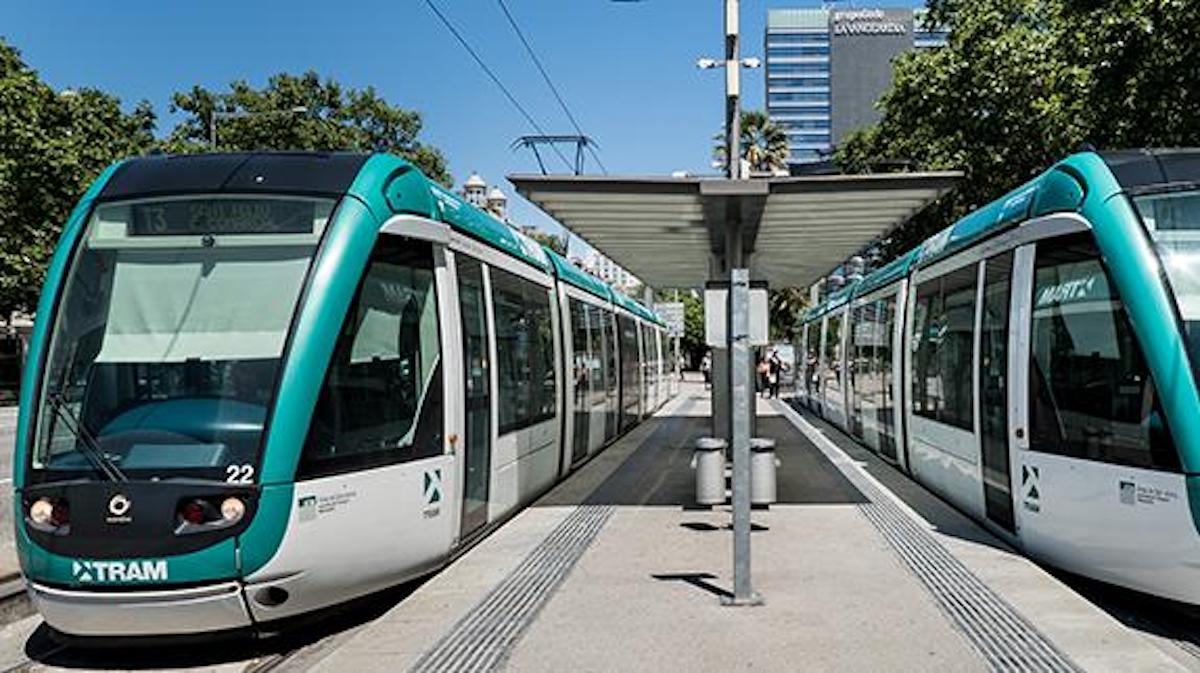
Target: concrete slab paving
1094 640
836 600
645 595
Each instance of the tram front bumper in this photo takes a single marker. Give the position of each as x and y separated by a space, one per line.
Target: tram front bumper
214 607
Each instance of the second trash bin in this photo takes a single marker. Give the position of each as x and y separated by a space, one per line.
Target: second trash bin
762 471
709 462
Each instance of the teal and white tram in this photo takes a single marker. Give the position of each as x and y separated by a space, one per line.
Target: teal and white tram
262 384
1036 365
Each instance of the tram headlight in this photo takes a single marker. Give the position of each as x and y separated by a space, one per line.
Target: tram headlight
41 511
233 509
50 514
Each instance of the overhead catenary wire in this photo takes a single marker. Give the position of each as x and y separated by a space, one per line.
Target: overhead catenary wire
550 83
492 75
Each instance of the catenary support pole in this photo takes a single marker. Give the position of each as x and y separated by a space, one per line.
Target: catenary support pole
738 332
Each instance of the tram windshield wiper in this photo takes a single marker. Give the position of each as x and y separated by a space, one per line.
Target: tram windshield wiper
90 447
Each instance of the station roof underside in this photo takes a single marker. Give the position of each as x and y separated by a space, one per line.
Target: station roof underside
671 232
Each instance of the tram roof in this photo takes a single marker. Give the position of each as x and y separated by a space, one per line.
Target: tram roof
668 231
1061 188
385 182
573 275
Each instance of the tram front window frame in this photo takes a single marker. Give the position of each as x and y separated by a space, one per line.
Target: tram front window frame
169 336
1172 220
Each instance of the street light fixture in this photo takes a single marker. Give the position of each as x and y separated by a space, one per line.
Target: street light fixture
238 114
750 62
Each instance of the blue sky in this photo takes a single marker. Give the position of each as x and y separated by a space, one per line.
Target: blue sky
626 69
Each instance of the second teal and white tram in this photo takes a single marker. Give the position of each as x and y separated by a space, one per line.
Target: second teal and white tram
1036 365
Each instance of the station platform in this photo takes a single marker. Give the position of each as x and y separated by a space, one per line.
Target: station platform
617 569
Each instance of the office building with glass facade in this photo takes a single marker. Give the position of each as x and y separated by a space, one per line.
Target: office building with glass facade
826 68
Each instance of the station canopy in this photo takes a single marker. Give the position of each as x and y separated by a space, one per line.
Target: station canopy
671 232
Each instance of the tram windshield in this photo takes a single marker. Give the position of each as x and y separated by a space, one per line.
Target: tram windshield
169 333
1173 221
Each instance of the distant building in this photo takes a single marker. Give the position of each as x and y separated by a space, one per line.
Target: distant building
827 67
475 192
607 270
497 203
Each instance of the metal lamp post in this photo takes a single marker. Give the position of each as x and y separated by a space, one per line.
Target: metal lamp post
738 313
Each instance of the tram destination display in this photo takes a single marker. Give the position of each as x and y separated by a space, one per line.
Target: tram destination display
183 217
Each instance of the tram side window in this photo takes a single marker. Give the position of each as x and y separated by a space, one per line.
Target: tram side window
1090 391
581 373
832 359
597 363
943 347
381 401
524 351
612 372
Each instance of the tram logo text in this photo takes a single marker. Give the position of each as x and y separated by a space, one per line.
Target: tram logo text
119 571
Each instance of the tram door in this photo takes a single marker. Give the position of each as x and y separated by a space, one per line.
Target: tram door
993 388
477 404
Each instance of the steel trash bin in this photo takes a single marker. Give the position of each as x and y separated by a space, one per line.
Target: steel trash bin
762 471
709 463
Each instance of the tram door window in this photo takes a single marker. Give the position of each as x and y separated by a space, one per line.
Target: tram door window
862 378
581 376
884 360
477 373
524 350
630 381
833 366
874 404
809 337
1090 392
943 327
647 366
612 392
381 401
993 390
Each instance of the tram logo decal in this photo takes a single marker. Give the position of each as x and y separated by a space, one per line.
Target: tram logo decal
433 491
119 571
1030 477
118 509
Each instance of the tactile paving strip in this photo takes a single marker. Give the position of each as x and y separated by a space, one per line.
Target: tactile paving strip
1005 639
481 640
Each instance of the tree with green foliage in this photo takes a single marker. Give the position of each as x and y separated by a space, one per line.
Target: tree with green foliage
301 112
556 243
52 145
786 306
1023 83
692 342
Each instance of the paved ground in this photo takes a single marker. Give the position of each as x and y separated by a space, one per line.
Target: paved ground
617 570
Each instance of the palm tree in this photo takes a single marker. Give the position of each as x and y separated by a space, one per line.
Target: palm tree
787 307
764 144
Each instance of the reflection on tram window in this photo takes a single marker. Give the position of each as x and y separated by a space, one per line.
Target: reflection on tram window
524 350
1090 391
943 325
382 397
582 375
871 345
831 362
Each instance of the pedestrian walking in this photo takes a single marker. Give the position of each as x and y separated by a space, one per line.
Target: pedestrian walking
775 368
